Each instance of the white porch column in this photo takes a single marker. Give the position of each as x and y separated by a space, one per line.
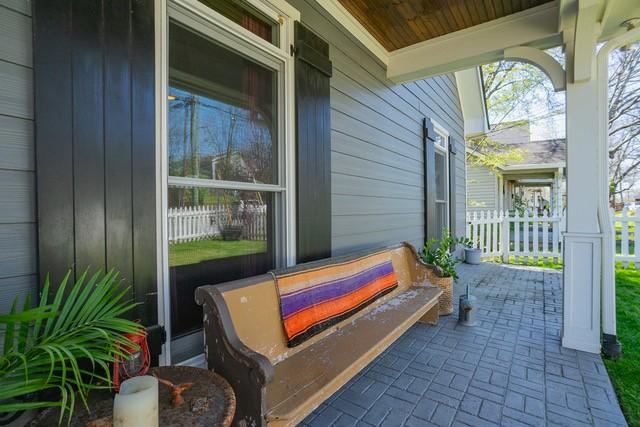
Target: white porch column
582 240
556 192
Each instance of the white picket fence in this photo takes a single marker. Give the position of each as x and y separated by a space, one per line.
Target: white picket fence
190 223
533 236
499 234
626 238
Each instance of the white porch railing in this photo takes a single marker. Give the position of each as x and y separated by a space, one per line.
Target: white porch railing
186 224
533 236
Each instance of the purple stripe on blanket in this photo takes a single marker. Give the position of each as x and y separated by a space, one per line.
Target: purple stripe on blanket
293 303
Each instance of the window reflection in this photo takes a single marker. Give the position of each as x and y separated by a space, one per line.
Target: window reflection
215 236
222 113
247 16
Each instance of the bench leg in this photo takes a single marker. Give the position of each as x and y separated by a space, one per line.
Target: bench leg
431 316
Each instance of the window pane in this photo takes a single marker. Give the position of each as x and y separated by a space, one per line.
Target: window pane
441 176
441 218
247 16
222 112
441 140
215 236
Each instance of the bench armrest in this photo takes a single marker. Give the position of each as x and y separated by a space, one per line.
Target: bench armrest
247 371
422 272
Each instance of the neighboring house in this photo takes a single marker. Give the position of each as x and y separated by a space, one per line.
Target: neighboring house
536 181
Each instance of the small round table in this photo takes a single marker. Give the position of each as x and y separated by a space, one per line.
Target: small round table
210 402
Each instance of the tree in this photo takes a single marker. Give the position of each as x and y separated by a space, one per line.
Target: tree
624 121
515 93
521 91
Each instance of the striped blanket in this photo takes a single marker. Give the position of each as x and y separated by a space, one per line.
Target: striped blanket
312 300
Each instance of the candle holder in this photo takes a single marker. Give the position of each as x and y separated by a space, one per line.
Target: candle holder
137 362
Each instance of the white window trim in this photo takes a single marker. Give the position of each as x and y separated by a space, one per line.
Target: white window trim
444 133
280 11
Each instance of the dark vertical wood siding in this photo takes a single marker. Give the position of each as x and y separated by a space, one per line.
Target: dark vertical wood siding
429 156
95 141
313 146
453 226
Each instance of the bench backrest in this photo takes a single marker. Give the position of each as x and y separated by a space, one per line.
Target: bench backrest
255 308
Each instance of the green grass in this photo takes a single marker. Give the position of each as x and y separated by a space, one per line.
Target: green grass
204 250
542 262
625 372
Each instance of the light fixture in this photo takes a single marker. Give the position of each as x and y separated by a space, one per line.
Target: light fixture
630 24
171 97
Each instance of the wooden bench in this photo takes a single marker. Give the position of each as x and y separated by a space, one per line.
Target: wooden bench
279 386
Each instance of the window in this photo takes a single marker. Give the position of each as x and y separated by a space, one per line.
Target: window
225 165
442 179
247 16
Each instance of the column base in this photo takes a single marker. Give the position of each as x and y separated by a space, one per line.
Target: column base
611 347
581 305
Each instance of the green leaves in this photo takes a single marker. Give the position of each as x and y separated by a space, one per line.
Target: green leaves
438 252
64 347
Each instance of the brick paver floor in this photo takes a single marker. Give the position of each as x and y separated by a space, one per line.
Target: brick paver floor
509 370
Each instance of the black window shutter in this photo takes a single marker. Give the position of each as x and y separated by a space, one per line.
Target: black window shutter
95 144
428 139
452 186
313 145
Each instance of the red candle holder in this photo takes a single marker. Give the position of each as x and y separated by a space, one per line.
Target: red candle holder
137 363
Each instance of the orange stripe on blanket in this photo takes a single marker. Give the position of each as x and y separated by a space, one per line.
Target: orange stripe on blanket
301 279
300 322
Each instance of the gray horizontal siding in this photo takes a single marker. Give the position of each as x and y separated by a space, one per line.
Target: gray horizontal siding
377 158
15 32
21 6
482 188
16 144
17 154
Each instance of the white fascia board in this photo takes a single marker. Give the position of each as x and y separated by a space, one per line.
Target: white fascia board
477 45
355 28
472 102
533 166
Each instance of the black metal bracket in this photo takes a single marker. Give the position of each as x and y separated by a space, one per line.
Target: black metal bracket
611 347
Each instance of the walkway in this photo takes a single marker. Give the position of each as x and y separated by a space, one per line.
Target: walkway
510 370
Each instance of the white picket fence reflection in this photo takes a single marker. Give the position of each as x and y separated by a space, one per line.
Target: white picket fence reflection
190 223
533 236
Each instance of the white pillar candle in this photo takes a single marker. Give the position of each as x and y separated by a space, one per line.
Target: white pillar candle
137 403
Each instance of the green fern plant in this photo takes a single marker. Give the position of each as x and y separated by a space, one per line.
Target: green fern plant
438 252
64 347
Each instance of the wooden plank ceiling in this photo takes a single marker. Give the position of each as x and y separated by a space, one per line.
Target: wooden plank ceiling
400 23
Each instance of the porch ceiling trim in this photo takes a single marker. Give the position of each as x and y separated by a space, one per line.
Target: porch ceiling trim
477 45
355 28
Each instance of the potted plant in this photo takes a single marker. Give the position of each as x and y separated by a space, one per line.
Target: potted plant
472 252
438 253
232 229
63 348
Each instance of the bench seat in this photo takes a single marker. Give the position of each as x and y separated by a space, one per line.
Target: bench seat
277 385
314 374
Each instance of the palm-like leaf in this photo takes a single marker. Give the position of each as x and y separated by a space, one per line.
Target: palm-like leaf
64 346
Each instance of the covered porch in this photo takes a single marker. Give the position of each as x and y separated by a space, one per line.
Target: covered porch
511 369
587 31
354 119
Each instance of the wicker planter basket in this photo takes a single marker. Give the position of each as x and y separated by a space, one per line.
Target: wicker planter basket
446 299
